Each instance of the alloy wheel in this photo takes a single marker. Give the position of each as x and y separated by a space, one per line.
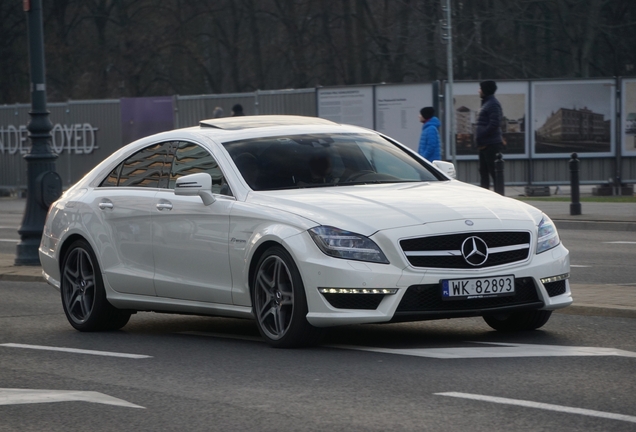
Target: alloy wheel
274 297
78 285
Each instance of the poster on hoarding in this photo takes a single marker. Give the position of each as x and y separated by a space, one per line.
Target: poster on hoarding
144 116
397 110
347 105
514 100
573 117
628 117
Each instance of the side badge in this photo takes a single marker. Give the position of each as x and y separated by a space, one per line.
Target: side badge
469 222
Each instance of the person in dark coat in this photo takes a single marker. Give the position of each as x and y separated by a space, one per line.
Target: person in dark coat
429 139
488 136
237 110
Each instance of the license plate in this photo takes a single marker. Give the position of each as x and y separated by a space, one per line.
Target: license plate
476 288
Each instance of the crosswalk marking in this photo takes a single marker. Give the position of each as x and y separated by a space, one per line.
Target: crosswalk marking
27 396
75 351
539 405
497 350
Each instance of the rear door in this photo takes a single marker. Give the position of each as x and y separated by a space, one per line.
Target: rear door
123 230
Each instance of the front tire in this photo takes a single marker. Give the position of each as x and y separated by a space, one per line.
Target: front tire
518 321
280 303
83 294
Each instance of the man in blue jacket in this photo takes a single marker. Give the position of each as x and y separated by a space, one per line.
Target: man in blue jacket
488 135
429 140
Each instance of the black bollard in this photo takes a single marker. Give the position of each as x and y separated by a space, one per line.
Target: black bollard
575 205
499 175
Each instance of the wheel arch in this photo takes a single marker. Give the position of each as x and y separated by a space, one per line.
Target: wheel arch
256 256
66 244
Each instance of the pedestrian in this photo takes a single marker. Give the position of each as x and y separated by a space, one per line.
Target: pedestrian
237 110
429 139
218 112
488 136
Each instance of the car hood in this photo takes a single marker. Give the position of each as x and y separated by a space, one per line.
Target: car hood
367 209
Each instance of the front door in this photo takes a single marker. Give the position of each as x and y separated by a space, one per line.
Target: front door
190 240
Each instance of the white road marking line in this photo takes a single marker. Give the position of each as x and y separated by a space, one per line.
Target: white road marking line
76 351
579 266
10 240
224 336
28 396
539 405
501 350
620 242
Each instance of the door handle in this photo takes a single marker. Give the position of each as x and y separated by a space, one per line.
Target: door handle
105 205
164 206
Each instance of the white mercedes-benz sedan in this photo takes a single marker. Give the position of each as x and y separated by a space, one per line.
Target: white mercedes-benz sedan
300 224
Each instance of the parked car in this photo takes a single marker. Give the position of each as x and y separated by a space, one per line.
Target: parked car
300 224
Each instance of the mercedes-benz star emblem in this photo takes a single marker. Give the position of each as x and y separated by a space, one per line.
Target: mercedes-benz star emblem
475 251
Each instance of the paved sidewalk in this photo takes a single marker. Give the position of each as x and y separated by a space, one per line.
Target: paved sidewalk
600 300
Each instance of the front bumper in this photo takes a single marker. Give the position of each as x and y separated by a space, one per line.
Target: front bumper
418 295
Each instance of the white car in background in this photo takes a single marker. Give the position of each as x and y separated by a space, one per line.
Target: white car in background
301 224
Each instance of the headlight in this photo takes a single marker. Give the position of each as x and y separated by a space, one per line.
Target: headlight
346 245
548 237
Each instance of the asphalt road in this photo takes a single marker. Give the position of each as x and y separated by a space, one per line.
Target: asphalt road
201 373
601 257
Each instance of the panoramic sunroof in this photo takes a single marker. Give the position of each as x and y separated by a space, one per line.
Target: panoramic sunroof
248 122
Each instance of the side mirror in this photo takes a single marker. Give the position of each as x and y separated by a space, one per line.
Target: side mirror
195 185
446 167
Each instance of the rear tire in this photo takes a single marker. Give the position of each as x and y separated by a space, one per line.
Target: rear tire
280 303
83 294
518 321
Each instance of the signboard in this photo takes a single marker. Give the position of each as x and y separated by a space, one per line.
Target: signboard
398 110
348 105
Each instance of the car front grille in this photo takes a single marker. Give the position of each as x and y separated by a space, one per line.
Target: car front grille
445 251
428 298
555 288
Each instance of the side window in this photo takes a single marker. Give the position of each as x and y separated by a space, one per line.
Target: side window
113 177
144 168
190 158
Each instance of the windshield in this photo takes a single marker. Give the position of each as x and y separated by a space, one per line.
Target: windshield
325 160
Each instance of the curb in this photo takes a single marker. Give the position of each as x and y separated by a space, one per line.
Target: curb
600 311
594 225
21 278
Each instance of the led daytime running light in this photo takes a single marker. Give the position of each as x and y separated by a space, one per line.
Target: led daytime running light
555 278
386 291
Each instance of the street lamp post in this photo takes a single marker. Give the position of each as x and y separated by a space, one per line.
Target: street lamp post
44 185
447 38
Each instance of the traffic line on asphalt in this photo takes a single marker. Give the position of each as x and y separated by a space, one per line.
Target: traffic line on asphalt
10 240
620 242
540 405
76 351
500 350
27 396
